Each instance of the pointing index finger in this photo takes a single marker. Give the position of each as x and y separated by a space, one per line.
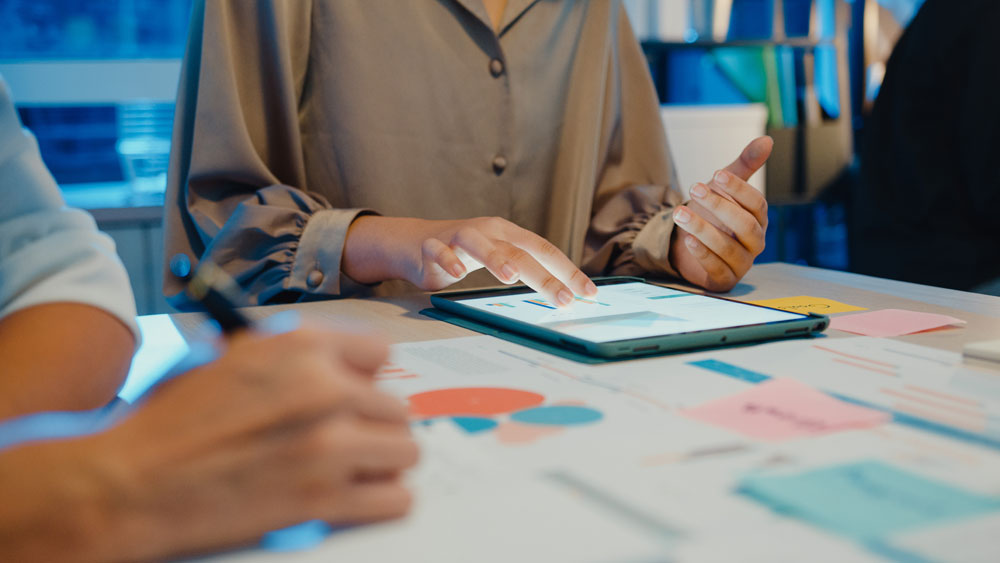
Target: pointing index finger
553 260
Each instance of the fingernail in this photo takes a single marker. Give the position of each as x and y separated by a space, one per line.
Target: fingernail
457 270
564 297
590 288
508 273
691 243
682 215
698 191
721 178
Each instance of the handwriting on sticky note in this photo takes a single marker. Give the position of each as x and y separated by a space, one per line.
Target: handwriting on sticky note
892 322
780 409
865 500
807 304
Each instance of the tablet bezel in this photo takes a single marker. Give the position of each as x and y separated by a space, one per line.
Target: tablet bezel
808 324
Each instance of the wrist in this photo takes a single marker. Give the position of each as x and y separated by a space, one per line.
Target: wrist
55 507
120 521
375 251
109 500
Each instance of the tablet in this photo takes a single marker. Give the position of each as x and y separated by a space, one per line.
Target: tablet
629 317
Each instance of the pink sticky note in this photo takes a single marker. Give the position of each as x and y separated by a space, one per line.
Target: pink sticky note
891 322
780 409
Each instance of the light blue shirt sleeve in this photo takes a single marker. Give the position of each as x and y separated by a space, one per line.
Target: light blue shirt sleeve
48 252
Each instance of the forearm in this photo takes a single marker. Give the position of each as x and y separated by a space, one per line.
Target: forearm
61 356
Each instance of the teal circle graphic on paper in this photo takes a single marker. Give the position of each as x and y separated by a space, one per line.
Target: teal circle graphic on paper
474 424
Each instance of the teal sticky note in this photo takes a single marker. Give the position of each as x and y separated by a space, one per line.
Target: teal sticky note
866 500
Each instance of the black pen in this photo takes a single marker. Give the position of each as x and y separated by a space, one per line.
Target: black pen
216 292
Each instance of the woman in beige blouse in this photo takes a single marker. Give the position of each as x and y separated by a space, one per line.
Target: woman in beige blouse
322 144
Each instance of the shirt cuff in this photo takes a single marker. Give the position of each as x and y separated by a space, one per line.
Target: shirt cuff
651 247
316 268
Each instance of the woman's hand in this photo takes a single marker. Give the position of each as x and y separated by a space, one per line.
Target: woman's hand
721 230
435 254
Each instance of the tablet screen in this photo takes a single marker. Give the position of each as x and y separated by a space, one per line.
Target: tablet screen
628 311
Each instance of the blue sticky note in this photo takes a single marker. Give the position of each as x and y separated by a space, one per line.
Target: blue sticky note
865 500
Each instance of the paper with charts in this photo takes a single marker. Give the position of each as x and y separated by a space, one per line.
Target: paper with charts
849 449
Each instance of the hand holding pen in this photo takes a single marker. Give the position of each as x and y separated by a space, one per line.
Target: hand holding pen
279 429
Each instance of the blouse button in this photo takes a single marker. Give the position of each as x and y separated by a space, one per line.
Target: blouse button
314 278
499 164
496 68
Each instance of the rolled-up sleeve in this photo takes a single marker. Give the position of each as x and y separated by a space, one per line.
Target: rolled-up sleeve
58 256
237 189
632 221
48 252
632 232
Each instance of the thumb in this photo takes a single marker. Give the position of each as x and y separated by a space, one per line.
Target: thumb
752 158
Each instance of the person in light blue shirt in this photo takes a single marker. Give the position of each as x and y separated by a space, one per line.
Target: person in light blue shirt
67 315
278 429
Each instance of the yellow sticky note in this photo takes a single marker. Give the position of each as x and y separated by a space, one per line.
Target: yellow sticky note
806 304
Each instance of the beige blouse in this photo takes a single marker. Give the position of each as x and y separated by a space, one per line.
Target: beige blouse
294 116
